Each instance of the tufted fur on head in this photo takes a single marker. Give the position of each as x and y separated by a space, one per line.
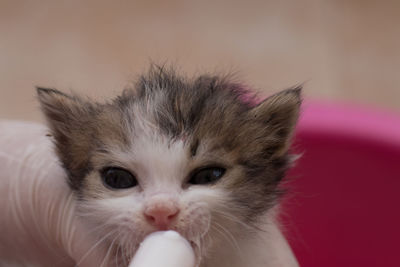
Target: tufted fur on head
166 127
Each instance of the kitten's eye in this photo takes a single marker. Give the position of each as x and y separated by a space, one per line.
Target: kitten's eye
118 178
207 176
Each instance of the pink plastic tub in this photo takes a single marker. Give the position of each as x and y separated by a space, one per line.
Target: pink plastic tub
344 203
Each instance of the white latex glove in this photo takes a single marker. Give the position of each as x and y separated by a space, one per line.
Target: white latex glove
38 223
166 249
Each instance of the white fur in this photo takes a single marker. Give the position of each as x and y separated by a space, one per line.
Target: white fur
38 225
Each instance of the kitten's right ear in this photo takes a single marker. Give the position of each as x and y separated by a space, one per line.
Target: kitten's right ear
68 118
59 108
63 112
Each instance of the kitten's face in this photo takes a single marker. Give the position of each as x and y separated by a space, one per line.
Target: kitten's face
192 156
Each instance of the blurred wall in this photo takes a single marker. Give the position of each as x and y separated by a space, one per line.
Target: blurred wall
343 50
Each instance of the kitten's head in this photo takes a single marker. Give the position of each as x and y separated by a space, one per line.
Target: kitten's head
199 156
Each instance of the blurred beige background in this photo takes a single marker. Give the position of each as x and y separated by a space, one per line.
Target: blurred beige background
345 51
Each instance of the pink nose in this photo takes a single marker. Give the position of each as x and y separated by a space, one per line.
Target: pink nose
161 214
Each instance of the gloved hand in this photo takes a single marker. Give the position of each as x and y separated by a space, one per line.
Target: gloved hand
38 222
164 248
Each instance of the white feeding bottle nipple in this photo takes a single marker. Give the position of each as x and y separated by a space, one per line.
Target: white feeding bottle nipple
164 249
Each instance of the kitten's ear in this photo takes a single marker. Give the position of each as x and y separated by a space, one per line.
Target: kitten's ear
279 113
59 108
68 118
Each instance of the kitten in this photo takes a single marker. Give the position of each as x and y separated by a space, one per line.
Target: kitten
198 156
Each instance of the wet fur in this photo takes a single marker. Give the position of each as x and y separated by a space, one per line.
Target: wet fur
181 124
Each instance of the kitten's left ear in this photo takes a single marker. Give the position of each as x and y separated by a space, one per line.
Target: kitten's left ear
279 113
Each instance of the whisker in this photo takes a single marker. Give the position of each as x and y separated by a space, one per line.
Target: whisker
110 247
236 220
230 238
93 247
102 227
119 251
